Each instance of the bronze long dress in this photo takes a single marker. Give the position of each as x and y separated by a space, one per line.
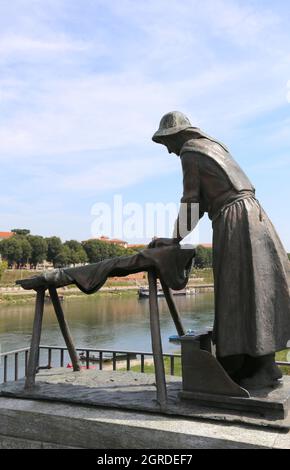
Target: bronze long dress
251 267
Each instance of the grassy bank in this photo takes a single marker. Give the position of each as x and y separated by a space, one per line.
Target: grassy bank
201 276
10 276
25 298
149 368
19 299
284 356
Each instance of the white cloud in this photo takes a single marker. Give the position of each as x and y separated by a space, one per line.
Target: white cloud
103 111
270 164
178 23
108 175
13 44
78 79
82 111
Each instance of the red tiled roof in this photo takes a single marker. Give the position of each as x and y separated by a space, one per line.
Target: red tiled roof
6 234
206 245
112 240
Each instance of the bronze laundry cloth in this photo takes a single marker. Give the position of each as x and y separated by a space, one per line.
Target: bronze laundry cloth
172 264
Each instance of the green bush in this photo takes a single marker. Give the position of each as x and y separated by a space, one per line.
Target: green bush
3 266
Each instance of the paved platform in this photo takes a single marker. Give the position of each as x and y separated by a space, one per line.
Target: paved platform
135 391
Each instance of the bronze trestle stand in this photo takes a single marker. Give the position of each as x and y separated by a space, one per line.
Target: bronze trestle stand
154 326
36 333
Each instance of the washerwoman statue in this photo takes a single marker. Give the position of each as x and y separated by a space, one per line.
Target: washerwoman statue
250 265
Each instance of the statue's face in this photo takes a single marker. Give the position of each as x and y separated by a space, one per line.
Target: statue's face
172 144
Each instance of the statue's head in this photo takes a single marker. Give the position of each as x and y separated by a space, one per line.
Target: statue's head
171 127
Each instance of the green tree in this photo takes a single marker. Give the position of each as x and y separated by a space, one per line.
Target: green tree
11 250
77 252
63 258
81 255
3 266
54 247
26 251
16 250
21 231
96 250
203 257
39 249
73 244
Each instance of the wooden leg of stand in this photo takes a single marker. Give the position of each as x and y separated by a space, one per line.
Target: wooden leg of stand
64 329
35 340
173 309
156 341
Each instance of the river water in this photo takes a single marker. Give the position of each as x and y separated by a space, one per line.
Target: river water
104 321
100 322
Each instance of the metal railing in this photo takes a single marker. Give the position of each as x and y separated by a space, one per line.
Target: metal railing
13 364
9 364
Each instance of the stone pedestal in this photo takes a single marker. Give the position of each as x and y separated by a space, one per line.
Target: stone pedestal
136 391
34 424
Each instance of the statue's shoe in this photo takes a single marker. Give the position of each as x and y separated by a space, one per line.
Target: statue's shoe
259 381
269 375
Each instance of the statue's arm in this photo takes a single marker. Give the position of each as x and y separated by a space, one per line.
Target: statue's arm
191 208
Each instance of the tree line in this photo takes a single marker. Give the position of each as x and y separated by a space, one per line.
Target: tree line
203 257
24 249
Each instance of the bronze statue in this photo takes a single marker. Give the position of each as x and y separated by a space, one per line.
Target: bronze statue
251 267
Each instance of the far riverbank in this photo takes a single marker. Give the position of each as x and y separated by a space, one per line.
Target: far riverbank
201 281
17 295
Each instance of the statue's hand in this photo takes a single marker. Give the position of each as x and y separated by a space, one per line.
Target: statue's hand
161 242
34 282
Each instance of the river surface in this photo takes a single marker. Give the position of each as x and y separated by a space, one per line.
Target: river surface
104 322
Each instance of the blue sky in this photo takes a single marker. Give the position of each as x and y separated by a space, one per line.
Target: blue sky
83 86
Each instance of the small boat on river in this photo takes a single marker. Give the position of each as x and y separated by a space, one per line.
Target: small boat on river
143 292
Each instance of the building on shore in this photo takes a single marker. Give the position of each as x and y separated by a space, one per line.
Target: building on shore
122 243
113 241
5 235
